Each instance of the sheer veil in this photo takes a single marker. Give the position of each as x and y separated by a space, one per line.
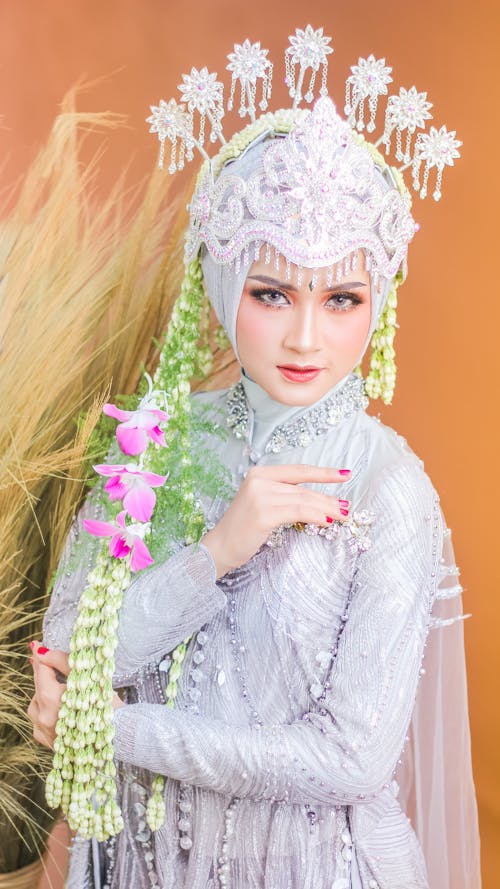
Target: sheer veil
435 777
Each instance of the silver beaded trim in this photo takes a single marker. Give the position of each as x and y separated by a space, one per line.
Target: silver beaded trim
311 424
356 529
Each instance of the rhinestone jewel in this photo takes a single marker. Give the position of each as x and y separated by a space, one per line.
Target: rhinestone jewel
304 200
310 425
356 530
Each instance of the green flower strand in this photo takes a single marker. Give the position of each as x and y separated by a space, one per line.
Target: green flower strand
82 780
155 809
182 359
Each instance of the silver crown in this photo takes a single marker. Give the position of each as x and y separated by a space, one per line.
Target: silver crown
307 53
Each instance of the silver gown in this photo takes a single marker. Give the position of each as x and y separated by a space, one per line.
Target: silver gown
299 683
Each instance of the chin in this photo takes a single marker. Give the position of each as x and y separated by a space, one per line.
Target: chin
297 394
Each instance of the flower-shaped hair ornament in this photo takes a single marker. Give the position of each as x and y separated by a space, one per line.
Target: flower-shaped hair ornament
249 63
439 149
202 92
407 111
307 49
369 80
171 121
306 54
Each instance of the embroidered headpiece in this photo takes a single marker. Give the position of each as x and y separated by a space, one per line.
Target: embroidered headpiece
321 191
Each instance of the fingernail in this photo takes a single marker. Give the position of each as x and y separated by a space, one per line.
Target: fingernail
344 471
344 503
344 512
32 645
42 650
329 519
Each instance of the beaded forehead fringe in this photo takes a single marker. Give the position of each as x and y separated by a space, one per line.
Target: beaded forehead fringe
296 274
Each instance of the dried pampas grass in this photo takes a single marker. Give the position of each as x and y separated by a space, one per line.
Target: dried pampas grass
86 285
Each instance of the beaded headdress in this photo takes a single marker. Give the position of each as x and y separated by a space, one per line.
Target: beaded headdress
321 192
316 196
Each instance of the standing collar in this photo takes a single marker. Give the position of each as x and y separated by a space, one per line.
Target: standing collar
270 427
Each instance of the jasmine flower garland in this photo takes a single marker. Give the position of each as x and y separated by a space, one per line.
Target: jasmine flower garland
82 780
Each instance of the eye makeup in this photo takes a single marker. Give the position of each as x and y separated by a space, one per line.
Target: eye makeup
264 295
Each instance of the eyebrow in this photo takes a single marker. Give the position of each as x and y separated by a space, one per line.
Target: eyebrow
287 285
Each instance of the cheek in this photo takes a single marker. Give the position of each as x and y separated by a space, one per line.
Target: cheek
347 335
253 330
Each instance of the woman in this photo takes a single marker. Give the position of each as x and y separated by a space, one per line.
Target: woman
303 731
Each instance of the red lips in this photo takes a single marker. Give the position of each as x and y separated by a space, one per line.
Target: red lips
298 374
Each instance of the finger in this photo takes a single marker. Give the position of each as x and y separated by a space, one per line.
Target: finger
48 690
297 499
34 664
296 474
33 710
47 680
54 658
311 508
39 732
41 737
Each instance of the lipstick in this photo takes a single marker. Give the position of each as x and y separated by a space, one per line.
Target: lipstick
298 374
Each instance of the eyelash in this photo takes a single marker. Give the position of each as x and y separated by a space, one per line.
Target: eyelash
260 296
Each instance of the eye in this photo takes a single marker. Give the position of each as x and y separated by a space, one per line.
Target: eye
270 297
341 302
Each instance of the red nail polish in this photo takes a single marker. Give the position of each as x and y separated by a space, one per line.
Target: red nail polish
42 650
329 519
344 503
344 512
344 471
32 645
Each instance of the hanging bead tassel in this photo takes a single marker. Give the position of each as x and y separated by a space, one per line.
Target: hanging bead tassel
381 379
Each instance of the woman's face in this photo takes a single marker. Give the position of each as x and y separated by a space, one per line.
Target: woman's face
298 342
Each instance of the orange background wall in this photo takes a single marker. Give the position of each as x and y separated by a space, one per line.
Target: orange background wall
448 349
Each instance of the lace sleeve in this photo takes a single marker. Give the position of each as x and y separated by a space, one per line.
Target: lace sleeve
346 747
165 605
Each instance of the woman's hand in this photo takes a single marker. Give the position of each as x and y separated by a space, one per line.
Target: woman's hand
269 497
50 667
44 707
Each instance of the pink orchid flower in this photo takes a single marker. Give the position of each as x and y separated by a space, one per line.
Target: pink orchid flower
137 427
133 486
124 540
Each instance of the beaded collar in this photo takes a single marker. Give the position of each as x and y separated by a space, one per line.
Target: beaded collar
313 423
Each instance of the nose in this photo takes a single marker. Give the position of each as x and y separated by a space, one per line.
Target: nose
303 333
